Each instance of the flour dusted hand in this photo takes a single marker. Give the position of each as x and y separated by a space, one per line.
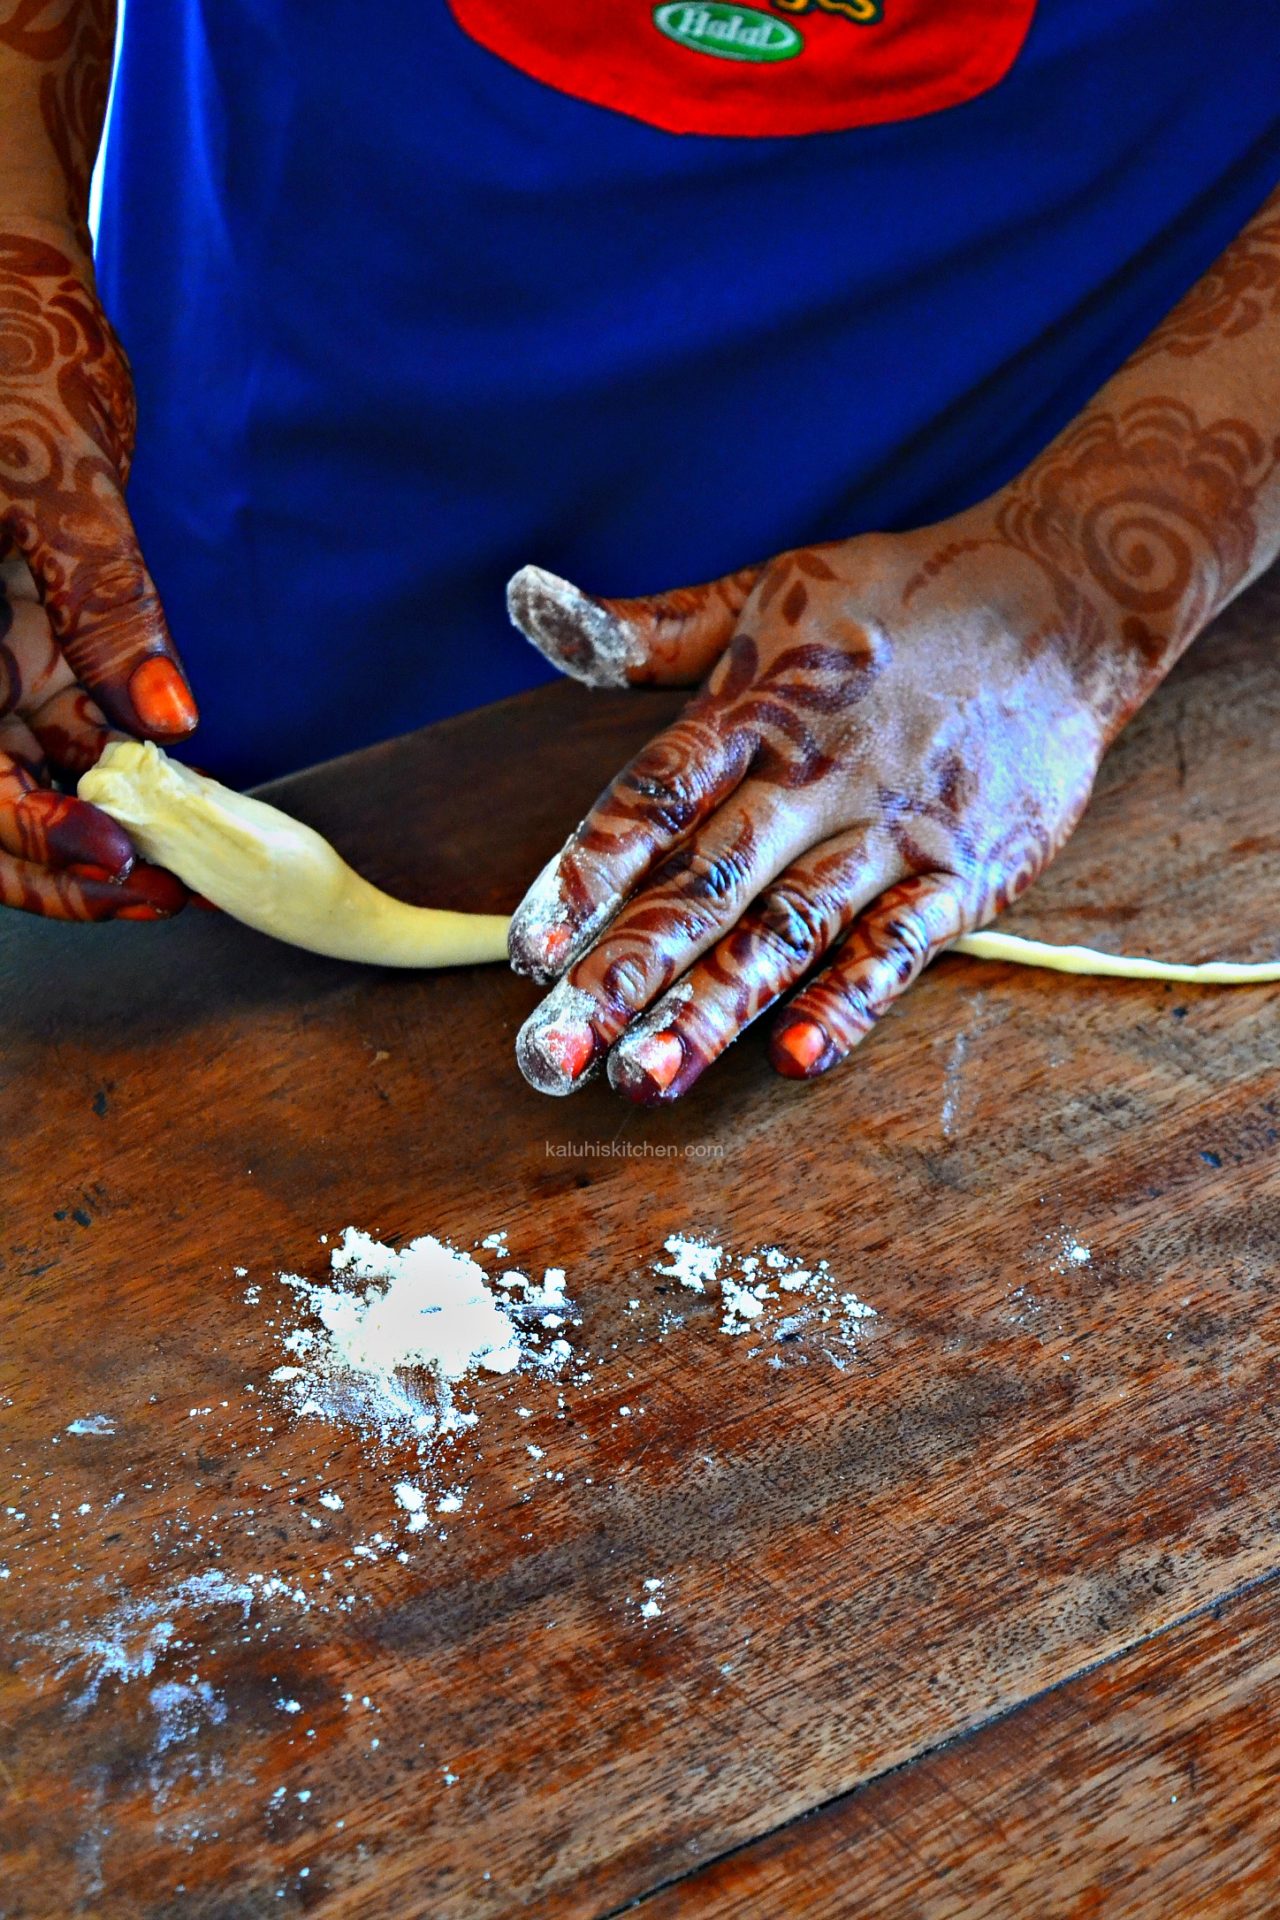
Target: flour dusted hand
895 734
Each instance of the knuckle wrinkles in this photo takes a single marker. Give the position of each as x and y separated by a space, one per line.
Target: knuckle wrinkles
910 936
856 1007
717 878
670 798
792 922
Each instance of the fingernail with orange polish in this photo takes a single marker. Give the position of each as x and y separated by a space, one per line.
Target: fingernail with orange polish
537 950
568 1048
154 888
799 1049
659 1058
541 941
161 697
556 1046
555 944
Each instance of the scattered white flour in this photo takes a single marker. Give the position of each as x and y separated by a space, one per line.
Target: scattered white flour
391 1347
651 1606
398 1329
183 1709
126 1644
748 1281
743 1299
401 1351
693 1262
952 1084
414 1502
1068 1251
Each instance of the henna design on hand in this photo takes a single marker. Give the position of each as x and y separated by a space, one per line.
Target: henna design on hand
896 734
833 760
753 714
62 858
66 432
58 856
83 641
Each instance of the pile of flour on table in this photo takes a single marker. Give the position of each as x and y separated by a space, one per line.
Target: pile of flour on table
396 1330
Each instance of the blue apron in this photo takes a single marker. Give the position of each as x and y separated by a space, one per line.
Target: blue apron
415 296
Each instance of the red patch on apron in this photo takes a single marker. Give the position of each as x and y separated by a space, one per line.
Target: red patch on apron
769 67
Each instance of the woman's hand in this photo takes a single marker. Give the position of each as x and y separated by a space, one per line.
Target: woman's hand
893 741
896 733
84 649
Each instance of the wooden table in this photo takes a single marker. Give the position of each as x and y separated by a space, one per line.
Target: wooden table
979 1616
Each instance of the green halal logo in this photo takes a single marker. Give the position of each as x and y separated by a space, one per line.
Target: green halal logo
729 32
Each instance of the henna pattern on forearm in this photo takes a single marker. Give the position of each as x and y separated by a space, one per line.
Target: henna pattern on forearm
63 364
1143 521
1240 291
72 43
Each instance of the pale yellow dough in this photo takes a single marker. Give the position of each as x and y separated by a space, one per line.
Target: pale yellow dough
1124 966
272 872
275 874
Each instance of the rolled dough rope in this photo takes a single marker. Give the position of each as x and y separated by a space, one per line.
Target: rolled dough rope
270 871
1123 966
275 874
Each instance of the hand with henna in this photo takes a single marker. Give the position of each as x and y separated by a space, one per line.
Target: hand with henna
894 734
84 650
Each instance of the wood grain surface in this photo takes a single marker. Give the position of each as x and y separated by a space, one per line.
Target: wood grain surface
1055 1439
1145 1786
